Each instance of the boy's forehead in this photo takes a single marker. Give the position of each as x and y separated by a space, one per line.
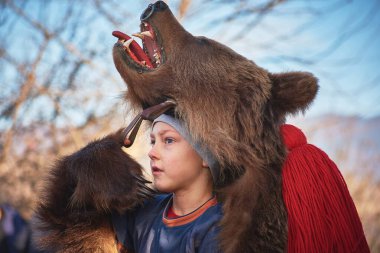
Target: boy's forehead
160 128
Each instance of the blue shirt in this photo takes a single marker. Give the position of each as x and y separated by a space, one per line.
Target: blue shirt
148 230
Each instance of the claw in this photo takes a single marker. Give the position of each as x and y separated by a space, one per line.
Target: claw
143 190
141 179
146 192
144 195
150 113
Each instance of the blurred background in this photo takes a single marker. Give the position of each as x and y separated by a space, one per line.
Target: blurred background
59 87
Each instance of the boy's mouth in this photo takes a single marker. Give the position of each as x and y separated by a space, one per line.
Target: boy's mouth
156 170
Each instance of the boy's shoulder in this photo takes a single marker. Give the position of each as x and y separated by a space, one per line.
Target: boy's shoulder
157 203
146 213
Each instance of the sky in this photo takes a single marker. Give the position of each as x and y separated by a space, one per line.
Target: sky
338 41
341 47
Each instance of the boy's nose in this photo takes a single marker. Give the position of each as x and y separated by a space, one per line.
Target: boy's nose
153 155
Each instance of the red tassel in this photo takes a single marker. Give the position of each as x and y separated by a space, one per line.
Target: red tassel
321 213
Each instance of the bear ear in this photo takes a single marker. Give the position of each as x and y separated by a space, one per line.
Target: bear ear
293 91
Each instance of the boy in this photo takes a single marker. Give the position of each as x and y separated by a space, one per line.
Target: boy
186 218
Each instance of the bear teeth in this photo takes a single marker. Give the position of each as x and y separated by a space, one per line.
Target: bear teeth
127 43
156 56
141 35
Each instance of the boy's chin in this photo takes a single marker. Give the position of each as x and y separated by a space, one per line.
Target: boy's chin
162 187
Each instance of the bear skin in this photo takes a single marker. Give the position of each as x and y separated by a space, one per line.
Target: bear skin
232 106
228 103
73 214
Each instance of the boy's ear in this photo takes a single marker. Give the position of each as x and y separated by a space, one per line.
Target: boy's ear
293 91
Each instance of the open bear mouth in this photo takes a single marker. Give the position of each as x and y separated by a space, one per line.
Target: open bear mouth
150 56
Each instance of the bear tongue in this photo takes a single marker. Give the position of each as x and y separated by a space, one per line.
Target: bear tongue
135 51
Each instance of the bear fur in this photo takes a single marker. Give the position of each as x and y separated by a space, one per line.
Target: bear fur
228 103
235 108
73 214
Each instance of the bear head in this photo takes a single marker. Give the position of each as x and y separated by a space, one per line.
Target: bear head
231 105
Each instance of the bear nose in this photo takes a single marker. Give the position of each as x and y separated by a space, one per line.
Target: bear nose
157 6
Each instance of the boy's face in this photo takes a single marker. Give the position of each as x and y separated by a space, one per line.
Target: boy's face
175 164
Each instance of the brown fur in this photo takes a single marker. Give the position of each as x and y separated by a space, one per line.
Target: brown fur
235 107
228 102
81 191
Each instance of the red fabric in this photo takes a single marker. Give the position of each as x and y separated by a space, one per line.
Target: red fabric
321 214
171 214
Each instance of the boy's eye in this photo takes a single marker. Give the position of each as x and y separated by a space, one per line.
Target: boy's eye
169 140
